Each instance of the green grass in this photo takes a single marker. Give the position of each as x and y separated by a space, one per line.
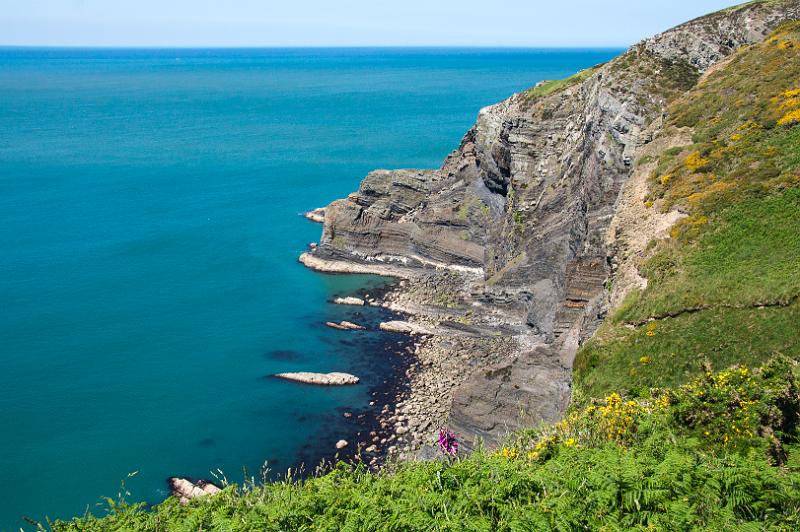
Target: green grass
680 347
748 257
546 88
734 116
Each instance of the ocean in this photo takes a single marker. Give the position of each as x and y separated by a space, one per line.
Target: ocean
150 225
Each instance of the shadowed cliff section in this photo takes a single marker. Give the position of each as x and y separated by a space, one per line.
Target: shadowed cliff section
523 206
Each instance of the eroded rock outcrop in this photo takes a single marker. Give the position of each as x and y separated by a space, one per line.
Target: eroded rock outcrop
534 209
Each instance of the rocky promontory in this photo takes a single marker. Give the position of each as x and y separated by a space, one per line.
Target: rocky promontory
510 248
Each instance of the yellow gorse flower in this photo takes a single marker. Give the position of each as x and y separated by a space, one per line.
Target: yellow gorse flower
789 119
663 402
696 162
509 452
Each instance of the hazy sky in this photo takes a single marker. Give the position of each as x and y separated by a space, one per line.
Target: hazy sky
341 22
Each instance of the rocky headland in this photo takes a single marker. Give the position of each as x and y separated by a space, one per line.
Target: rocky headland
513 251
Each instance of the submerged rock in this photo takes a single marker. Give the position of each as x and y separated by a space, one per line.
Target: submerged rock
322 379
186 490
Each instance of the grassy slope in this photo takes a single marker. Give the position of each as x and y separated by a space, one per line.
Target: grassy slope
687 448
738 249
549 87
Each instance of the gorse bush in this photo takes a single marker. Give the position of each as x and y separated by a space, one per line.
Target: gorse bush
743 118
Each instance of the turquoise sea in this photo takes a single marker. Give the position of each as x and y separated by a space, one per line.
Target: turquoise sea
149 234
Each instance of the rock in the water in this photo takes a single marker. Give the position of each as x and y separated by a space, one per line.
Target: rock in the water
345 326
317 215
404 327
341 444
322 379
356 301
186 490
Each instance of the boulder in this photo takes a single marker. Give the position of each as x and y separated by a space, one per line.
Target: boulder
186 490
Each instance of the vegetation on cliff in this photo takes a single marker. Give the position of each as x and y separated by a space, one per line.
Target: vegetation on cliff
686 405
723 289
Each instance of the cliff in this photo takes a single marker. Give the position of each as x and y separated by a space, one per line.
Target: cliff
522 211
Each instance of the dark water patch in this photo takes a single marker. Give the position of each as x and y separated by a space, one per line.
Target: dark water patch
382 360
284 355
206 442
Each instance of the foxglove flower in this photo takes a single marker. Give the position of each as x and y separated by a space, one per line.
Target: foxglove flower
448 442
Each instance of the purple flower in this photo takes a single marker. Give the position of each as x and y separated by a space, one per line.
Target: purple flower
448 442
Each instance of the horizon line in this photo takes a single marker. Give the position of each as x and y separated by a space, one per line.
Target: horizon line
309 47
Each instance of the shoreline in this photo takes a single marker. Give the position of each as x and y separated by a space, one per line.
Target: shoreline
448 339
366 427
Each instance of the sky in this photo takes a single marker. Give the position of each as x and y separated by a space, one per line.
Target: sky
245 23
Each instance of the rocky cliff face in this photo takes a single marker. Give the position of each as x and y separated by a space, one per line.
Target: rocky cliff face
523 207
